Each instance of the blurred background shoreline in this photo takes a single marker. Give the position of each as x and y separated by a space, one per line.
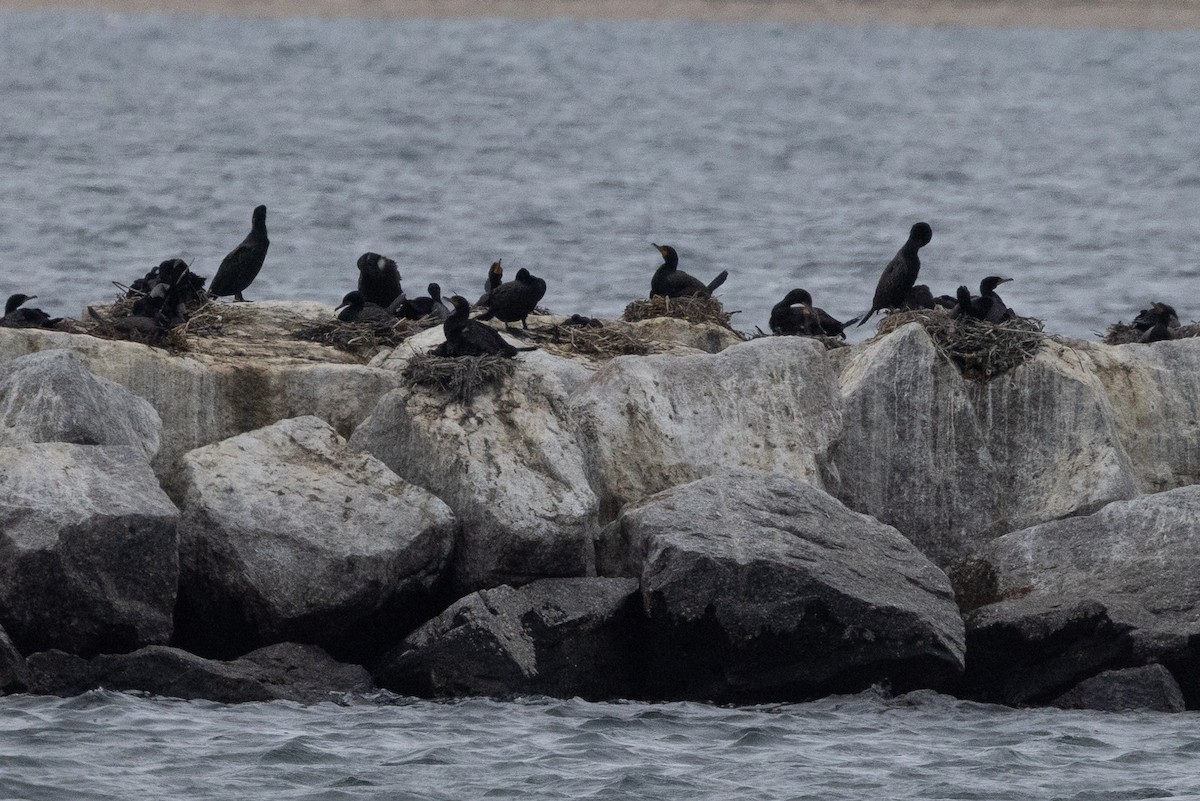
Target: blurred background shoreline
1157 15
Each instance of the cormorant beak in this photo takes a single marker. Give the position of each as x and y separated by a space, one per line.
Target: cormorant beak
1005 280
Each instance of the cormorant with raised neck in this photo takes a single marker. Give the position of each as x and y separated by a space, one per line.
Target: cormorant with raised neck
467 337
495 277
672 282
239 269
900 274
17 317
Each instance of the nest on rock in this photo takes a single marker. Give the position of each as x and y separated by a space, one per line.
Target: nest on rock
981 350
365 338
598 342
830 343
694 309
1121 333
460 376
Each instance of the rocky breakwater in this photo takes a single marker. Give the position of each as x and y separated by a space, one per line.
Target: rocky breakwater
769 521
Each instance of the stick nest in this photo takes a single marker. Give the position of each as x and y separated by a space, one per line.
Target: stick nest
364 339
694 309
460 377
1121 333
982 351
595 342
830 343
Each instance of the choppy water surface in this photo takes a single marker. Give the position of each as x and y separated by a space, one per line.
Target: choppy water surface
924 746
789 155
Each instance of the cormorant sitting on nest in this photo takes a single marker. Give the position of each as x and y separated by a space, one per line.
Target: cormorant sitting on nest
919 297
514 300
151 329
495 277
900 274
17 317
1156 323
672 282
239 268
467 337
795 314
987 306
378 279
418 308
353 309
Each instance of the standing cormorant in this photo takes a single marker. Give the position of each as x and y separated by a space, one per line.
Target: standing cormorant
672 282
495 277
17 317
467 337
514 300
239 268
353 309
786 318
378 279
900 274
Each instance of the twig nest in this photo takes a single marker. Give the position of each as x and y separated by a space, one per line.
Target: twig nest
693 309
596 342
365 339
981 350
460 376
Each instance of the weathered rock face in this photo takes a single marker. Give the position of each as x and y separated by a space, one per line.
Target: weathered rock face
14 676
52 397
289 534
558 637
758 586
1132 565
509 467
652 422
953 463
283 672
1151 688
253 375
88 549
705 337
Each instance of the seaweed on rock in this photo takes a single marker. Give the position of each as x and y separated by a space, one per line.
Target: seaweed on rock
981 350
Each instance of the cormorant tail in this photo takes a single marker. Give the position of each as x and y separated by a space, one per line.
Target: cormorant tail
716 282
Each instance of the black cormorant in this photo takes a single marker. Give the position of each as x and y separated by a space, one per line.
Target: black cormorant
900 274
987 306
17 317
672 282
418 308
495 277
378 279
919 297
240 267
515 300
795 314
1156 322
467 337
353 309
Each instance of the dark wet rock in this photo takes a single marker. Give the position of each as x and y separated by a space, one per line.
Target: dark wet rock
51 396
288 534
1151 687
761 587
559 637
88 549
287 672
14 676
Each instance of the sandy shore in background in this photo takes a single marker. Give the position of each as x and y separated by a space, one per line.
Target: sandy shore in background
1155 14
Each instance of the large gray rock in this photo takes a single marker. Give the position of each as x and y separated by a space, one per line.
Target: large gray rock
506 463
283 672
1133 564
289 534
954 463
760 587
648 423
88 549
560 637
52 397
14 676
1151 688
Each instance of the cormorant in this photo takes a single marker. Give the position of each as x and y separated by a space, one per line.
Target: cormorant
964 304
417 308
240 267
17 317
1156 322
149 329
494 278
900 274
353 309
795 314
467 337
919 297
671 282
514 300
987 306
378 279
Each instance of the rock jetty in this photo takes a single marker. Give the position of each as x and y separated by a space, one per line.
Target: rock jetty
258 516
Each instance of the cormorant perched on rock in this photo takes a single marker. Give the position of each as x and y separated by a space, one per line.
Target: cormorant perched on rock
353 309
1156 323
514 300
241 266
378 279
467 337
418 308
672 282
795 314
900 274
17 317
495 277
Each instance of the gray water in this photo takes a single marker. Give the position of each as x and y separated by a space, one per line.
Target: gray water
789 155
923 746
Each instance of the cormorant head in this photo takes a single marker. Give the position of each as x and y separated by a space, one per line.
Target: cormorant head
461 305
1166 313
15 301
352 298
496 269
798 296
920 234
523 275
171 270
260 215
964 296
369 261
988 285
435 293
670 257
